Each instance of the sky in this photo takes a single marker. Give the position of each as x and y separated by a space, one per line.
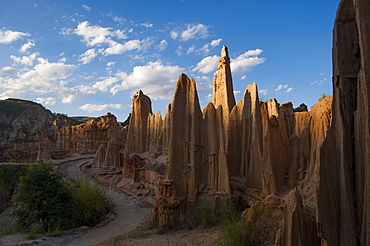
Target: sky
87 58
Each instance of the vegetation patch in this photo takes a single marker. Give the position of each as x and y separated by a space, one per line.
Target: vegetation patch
47 202
9 175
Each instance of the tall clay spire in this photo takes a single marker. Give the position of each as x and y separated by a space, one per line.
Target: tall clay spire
223 92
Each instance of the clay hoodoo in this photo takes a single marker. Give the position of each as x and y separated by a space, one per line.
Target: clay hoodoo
265 146
185 147
223 92
344 192
137 141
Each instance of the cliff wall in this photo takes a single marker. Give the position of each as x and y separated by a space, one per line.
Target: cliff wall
344 199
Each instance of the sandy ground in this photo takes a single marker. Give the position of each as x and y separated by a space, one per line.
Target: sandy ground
139 237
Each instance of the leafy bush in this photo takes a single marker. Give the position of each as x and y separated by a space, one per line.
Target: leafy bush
45 199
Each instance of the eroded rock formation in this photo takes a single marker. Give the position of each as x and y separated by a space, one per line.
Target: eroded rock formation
87 137
255 146
344 198
24 125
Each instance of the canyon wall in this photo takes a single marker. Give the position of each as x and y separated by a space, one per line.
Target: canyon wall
86 138
343 198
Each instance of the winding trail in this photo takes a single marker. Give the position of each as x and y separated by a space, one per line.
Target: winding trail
128 213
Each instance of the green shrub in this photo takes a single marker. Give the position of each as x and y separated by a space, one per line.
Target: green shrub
47 200
44 198
233 230
206 216
53 155
89 203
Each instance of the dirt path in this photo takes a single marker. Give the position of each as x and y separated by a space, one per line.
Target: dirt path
128 213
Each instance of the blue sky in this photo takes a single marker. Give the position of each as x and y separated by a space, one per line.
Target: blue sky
90 57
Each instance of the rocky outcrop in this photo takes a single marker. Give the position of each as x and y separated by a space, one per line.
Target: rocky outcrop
24 125
87 137
344 199
298 227
166 211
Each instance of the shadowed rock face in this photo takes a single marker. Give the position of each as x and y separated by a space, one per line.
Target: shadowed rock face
344 198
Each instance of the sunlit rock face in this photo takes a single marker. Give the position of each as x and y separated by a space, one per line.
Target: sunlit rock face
343 198
264 145
87 137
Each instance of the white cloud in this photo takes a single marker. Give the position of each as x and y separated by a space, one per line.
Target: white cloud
206 48
146 24
69 95
26 46
216 42
8 71
244 62
174 34
106 83
263 92
289 89
179 50
109 64
94 107
207 64
194 31
280 87
88 56
162 45
237 93
190 50
44 77
97 35
319 82
120 34
9 36
204 84
155 79
87 8
118 48
26 60
208 97
118 19
46 101
62 60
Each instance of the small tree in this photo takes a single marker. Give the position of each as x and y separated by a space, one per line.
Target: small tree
44 199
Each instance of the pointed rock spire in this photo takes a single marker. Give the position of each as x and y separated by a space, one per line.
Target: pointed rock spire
223 92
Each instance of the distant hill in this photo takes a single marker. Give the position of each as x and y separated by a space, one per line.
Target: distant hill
82 119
